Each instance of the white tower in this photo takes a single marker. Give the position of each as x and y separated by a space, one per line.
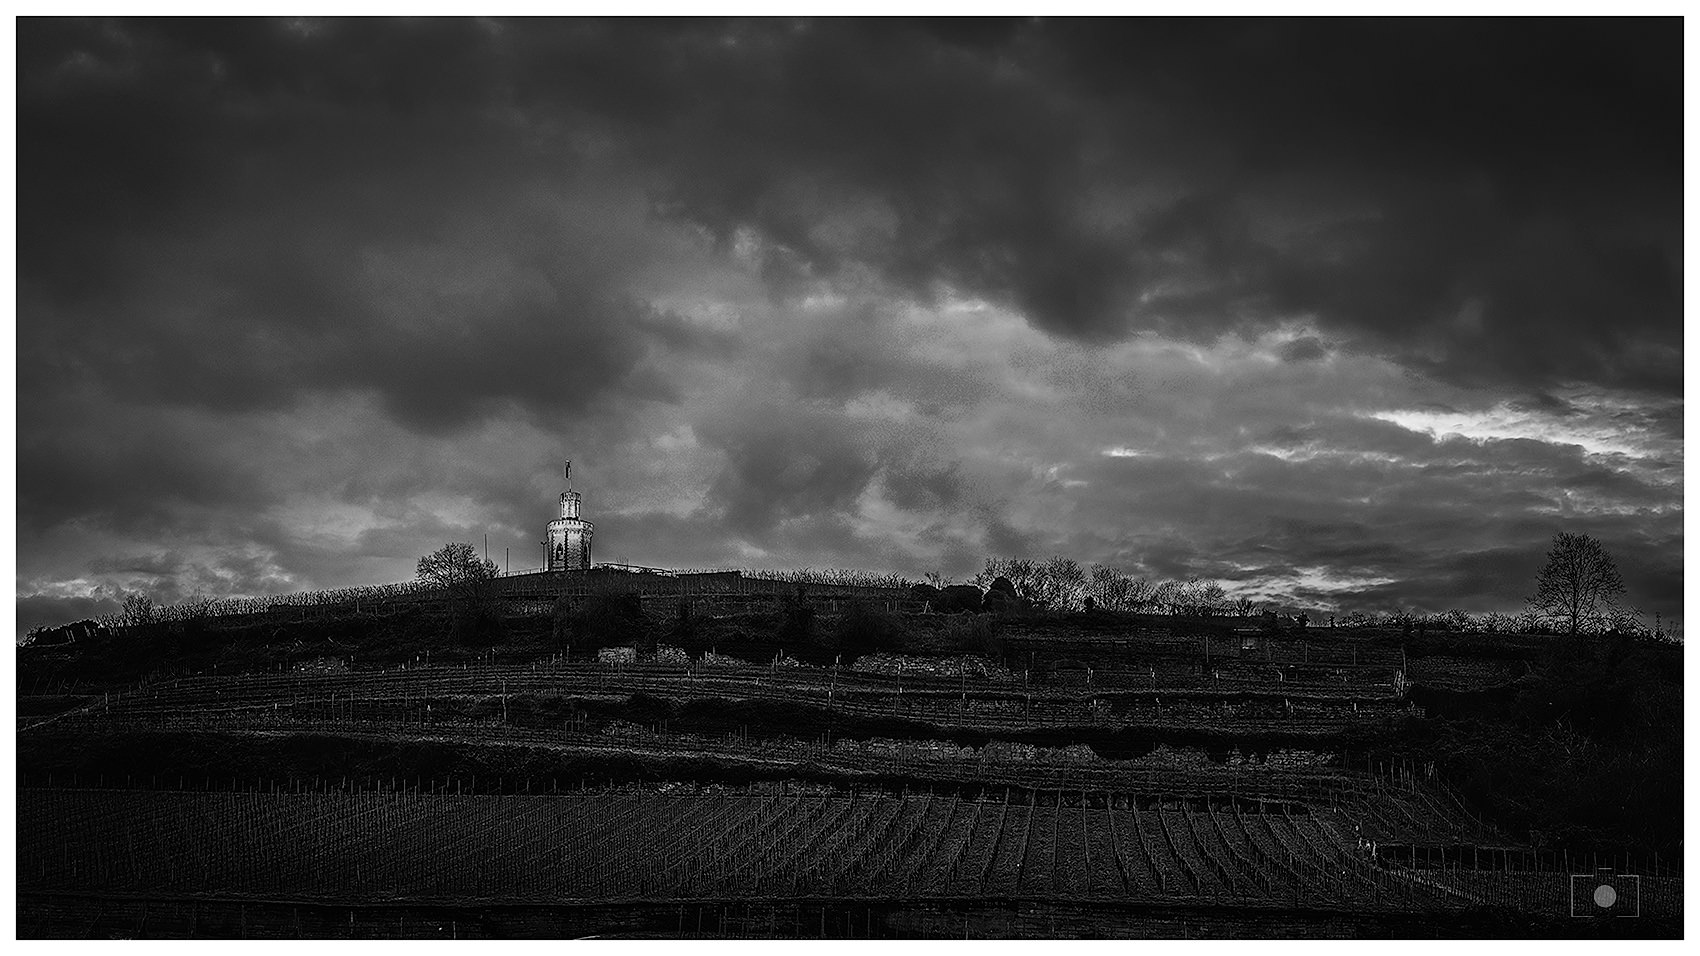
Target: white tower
567 541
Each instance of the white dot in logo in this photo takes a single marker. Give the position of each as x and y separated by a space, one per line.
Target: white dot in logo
1604 895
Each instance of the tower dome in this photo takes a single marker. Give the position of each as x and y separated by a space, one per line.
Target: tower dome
566 542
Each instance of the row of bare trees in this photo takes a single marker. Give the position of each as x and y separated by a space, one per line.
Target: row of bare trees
138 609
1064 584
843 577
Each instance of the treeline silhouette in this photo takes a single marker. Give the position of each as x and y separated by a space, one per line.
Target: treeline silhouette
1054 584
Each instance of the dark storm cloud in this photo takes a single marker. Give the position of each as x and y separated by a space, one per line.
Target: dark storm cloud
171 577
119 472
229 214
917 490
161 563
847 356
1487 200
1303 349
300 300
1491 201
782 465
859 348
1518 176
127 127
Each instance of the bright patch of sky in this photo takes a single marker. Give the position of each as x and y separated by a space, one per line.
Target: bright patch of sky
1600 424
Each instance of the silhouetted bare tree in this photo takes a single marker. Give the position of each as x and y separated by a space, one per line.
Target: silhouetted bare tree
457 569
138 610
1578 587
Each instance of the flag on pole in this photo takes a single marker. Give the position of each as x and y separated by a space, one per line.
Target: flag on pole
568 473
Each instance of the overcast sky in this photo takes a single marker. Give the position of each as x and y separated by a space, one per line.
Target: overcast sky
1341 314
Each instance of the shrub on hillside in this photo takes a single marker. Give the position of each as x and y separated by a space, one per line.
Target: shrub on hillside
683 631
609 620
1587 750
1005 602
959 599
796 621
925 593
863 629
976 634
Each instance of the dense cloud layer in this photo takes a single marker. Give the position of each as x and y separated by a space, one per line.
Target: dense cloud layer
1342 313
